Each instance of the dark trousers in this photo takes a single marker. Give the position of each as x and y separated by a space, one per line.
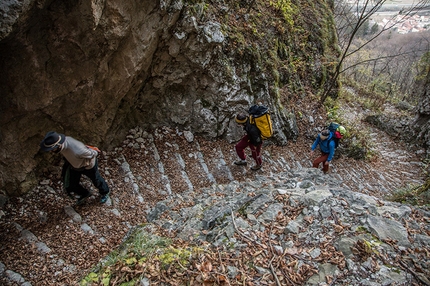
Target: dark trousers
256 150
321 159
72 177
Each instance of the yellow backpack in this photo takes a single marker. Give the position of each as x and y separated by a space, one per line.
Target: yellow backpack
260 116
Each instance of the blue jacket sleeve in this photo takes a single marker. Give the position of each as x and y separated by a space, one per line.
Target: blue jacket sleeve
331 150
314 146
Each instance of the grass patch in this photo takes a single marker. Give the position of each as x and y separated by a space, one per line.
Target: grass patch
418 195
142 255
415 194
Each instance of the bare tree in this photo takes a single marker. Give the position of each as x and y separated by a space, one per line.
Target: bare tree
391 58
351 19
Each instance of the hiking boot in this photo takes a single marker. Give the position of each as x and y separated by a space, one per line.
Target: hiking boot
240 162
104 198
83 198
256 167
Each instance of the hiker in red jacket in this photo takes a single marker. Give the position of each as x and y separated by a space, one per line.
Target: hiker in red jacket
252 139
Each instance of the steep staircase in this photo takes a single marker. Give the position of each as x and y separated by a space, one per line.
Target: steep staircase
47 240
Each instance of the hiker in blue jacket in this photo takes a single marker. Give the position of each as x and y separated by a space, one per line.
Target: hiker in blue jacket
327 147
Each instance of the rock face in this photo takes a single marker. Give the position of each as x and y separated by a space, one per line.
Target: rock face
93 69
422 122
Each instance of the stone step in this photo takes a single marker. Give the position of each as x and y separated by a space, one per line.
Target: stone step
32 240
129 176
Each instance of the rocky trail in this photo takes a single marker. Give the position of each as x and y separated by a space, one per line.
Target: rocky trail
46 240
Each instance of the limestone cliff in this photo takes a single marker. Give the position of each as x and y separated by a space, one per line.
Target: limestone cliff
94 69
422 120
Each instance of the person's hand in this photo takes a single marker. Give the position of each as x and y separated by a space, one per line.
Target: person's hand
94 148
326 163
311 153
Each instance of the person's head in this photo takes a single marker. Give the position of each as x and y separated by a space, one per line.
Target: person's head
324 134
52 141
241 118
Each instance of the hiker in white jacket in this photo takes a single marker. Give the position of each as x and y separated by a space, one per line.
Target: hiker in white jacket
80 159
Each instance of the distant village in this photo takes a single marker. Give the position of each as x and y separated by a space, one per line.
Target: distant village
406 24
